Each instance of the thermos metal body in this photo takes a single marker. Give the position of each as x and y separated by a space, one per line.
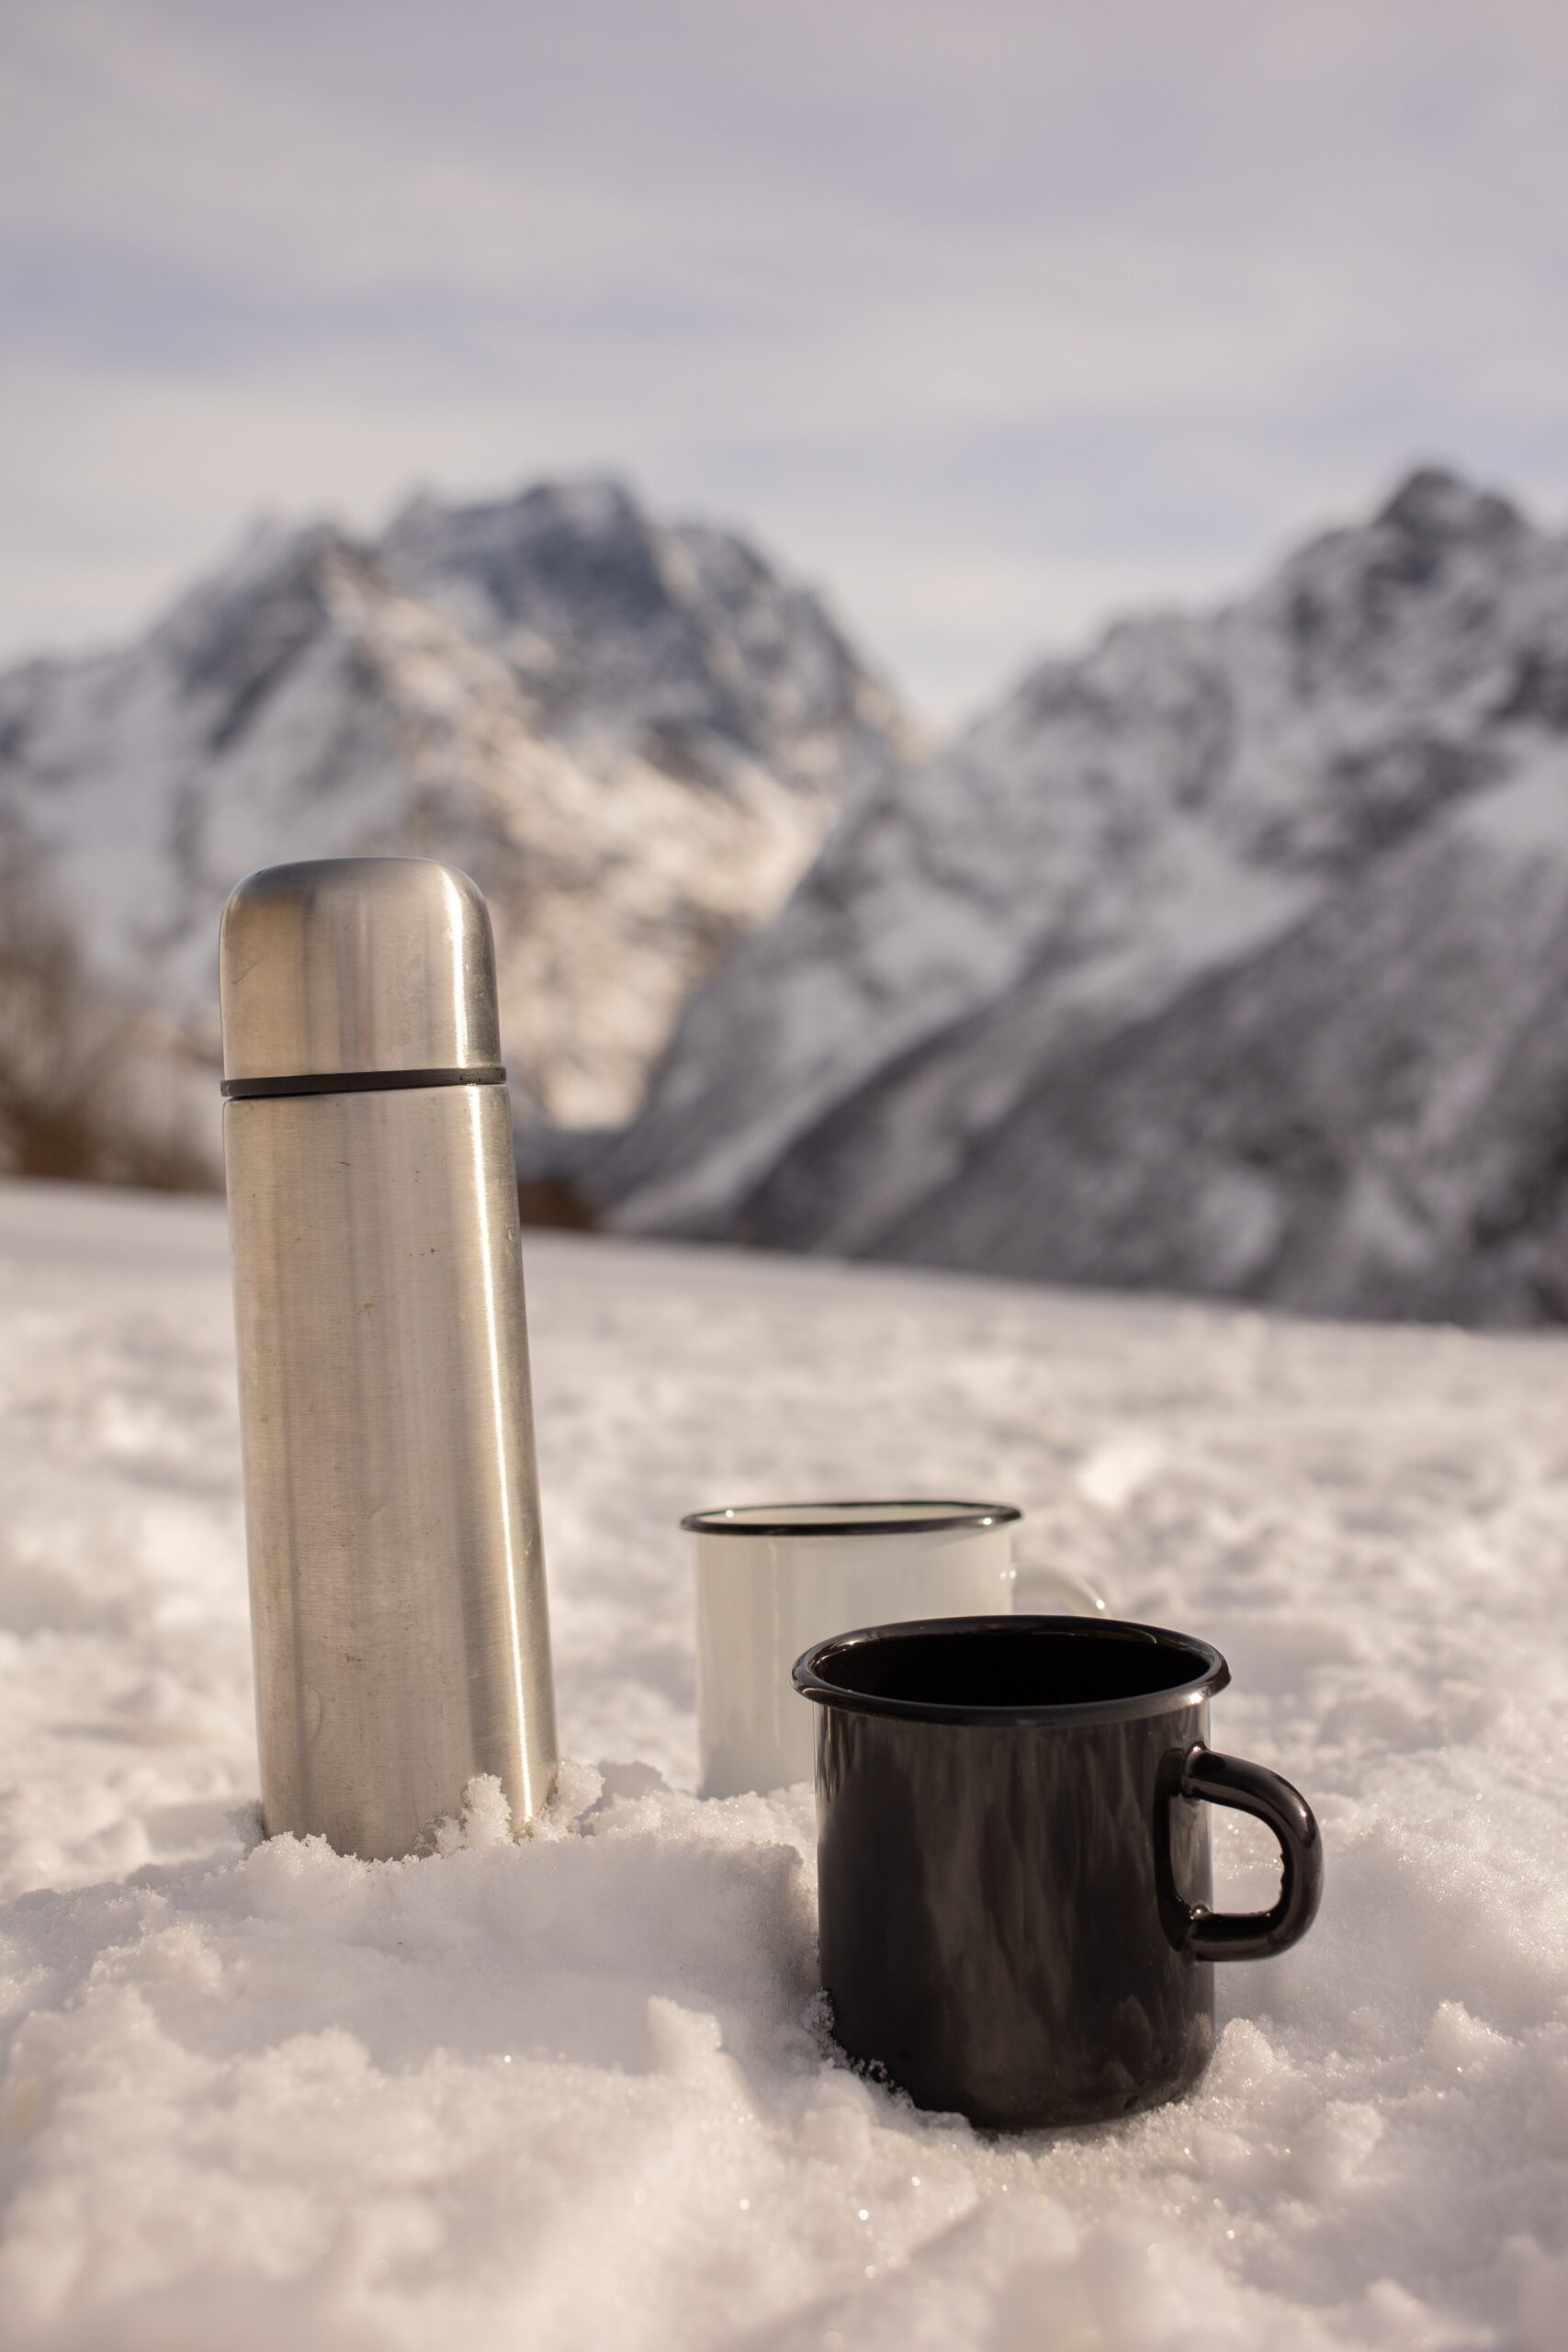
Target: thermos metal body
397 1596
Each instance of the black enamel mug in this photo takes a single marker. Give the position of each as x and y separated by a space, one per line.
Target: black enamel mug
1013 1861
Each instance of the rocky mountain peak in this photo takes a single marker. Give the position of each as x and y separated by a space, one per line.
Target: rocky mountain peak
680 641
1158 974
633 734
1433 508
559 560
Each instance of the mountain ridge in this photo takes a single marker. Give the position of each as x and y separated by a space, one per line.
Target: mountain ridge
1132 830
1218 956
322 693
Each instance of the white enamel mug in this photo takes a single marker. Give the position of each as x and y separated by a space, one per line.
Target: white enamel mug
772 1578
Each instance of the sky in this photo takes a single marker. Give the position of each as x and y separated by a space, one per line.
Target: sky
993 318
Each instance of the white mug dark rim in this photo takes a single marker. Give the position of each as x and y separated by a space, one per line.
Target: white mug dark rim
812 1673
914 1515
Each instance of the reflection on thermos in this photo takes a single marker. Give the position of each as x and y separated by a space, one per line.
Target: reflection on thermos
391 1501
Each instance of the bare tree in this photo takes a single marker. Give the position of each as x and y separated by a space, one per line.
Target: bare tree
86 1093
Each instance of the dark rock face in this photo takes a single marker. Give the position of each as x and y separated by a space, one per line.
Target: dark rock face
230 647
680 641
1225 958
1359 1120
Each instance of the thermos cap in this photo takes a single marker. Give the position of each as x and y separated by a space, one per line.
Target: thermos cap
344 966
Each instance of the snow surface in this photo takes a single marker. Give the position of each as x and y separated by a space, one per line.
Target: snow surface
573 2092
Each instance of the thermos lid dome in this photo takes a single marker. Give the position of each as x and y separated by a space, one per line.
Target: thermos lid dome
356 964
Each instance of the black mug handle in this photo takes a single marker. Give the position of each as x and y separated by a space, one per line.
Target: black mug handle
1253 1935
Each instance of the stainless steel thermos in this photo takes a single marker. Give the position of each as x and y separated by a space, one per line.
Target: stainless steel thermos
391 1501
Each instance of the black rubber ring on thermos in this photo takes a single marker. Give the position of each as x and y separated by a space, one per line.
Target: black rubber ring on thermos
361 1081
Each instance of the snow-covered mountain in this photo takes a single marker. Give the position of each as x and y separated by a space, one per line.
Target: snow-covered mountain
633 735
1227 956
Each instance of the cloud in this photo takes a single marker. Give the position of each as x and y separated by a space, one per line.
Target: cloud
994 314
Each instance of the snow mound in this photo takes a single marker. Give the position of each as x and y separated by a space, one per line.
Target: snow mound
576 2090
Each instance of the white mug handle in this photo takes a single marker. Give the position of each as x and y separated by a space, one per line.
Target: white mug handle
1042 1591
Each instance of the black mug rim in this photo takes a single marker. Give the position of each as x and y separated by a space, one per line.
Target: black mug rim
937 1518
813 1683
